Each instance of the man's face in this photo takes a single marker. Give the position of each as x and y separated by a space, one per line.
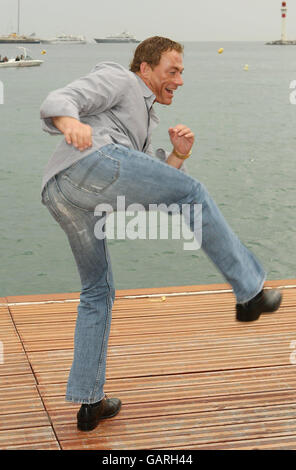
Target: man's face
166 77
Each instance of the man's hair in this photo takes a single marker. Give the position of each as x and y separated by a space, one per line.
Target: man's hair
150 51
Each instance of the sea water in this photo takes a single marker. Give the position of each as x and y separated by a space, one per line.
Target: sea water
244 122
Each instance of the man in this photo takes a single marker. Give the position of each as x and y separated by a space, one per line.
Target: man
107 118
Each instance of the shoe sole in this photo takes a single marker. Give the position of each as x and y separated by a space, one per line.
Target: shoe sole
89 426
248 317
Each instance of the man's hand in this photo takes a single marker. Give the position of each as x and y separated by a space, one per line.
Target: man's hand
182 138
76 133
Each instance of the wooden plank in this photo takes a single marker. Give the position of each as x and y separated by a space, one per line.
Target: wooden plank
161 341
12 347
165 351
126 308
17 369
17 380
181 437
182 393
53 445
67 413
142 334
277 375
44 314
143 365
22 399
197 344
14 357
5 320
49 344
24 420
25 436
190 391
18 393
4 310
29 332
192 344
196 288
138 309
272 443
188 374
139 291
49 377
143 308
8 333
20 406
192 421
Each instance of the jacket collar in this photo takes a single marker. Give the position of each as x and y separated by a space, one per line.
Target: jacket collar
147 93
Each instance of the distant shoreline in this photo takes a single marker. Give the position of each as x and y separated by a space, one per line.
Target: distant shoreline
279 42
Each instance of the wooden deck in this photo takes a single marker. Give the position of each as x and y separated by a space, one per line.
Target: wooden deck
189 376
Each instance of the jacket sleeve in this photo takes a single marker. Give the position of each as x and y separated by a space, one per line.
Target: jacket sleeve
96 92
162 155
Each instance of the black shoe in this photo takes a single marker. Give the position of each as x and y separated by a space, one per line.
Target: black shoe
89 415
265 301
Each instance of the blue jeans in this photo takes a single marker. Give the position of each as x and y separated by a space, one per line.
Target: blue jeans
71 197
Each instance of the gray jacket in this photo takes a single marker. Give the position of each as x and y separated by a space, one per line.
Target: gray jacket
115 102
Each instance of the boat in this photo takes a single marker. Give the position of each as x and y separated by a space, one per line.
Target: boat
65 39
123 37
17 38
24 60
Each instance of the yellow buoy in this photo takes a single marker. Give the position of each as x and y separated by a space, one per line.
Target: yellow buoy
43 52
246 67
220 50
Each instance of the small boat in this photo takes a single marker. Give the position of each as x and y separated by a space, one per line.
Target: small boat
24 60
123 37
65 39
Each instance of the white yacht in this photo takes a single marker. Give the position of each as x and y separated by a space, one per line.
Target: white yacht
123 37
65 39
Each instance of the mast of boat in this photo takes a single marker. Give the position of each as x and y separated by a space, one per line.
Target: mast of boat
18 17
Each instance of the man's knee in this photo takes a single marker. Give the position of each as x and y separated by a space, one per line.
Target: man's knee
198 192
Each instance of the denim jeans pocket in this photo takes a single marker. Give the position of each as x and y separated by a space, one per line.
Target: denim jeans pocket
93 173
83 184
